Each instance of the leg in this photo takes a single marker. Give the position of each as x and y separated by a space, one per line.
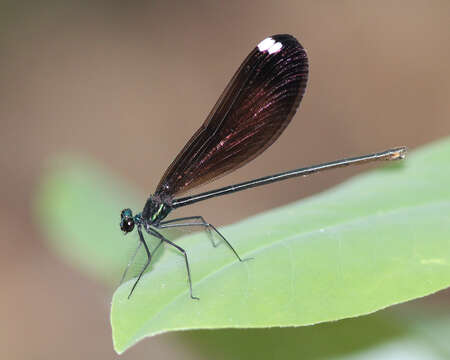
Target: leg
130 262
172 223
149 258
179 248
201 222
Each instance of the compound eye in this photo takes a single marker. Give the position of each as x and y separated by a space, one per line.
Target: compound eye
127 225
126 213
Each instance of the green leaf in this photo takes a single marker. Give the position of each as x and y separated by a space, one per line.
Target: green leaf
399 334
377 240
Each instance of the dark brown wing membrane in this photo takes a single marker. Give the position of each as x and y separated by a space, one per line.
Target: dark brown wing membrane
252 112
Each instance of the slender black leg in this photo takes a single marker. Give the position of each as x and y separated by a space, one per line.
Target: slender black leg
149 258
131 261
202 222
172 223
179 248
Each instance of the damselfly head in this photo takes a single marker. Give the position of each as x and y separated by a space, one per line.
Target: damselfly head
126 221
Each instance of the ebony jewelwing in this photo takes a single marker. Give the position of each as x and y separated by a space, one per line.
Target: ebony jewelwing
254 109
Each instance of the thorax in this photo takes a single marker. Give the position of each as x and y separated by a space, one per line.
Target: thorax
156 209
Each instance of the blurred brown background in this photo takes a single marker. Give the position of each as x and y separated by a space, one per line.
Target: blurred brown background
127 83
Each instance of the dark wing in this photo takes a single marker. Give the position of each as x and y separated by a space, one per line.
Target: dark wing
252 112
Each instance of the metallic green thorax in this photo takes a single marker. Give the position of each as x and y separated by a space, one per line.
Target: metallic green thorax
156 209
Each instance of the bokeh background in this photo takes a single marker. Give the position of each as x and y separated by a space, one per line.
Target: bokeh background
127 83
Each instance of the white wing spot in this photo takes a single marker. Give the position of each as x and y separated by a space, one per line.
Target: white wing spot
275 48
266 44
